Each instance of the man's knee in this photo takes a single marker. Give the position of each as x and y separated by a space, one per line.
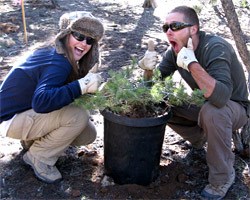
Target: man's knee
209 113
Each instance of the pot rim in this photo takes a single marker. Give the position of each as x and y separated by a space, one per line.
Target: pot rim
136 122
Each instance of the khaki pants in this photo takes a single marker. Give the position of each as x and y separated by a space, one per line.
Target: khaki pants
218 125
53 132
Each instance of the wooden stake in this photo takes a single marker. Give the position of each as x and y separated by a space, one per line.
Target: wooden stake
149 73
24 23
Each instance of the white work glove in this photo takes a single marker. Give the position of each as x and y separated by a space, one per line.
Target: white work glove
148 62
90 83
186 55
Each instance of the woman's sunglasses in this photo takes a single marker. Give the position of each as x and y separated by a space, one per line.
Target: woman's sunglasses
80 37
175 26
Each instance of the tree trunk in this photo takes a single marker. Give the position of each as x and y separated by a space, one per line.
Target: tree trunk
236 31
149 4
241 139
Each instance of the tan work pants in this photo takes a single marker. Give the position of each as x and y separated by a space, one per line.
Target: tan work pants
53 132
218 125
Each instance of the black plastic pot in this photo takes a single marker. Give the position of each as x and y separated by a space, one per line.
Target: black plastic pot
132 147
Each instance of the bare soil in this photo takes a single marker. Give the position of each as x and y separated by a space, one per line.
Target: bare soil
183 170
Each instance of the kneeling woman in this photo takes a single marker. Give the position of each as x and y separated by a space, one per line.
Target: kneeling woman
36 95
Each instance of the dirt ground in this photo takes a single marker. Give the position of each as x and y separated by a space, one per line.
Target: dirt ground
183 171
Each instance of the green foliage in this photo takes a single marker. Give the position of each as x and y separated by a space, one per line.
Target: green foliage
175 93
244 4
213 2
124 94
197 9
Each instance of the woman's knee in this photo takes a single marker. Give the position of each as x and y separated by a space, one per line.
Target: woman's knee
87 136
74 115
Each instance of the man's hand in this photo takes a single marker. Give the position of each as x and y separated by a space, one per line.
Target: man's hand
148 62
90 83
186 55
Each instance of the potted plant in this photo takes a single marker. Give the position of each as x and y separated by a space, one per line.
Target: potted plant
135 115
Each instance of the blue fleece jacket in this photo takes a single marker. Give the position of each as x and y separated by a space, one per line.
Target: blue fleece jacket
38 83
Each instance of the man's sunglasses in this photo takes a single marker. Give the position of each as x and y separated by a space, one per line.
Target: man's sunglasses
80 37
175 26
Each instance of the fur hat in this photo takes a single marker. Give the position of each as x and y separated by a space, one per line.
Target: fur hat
84 23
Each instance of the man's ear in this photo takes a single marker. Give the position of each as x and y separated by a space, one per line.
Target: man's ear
194 29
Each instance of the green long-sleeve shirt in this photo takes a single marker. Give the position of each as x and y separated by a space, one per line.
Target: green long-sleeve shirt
220 61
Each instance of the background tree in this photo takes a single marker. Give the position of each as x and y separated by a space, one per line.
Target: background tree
241 138
149 4
237 33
